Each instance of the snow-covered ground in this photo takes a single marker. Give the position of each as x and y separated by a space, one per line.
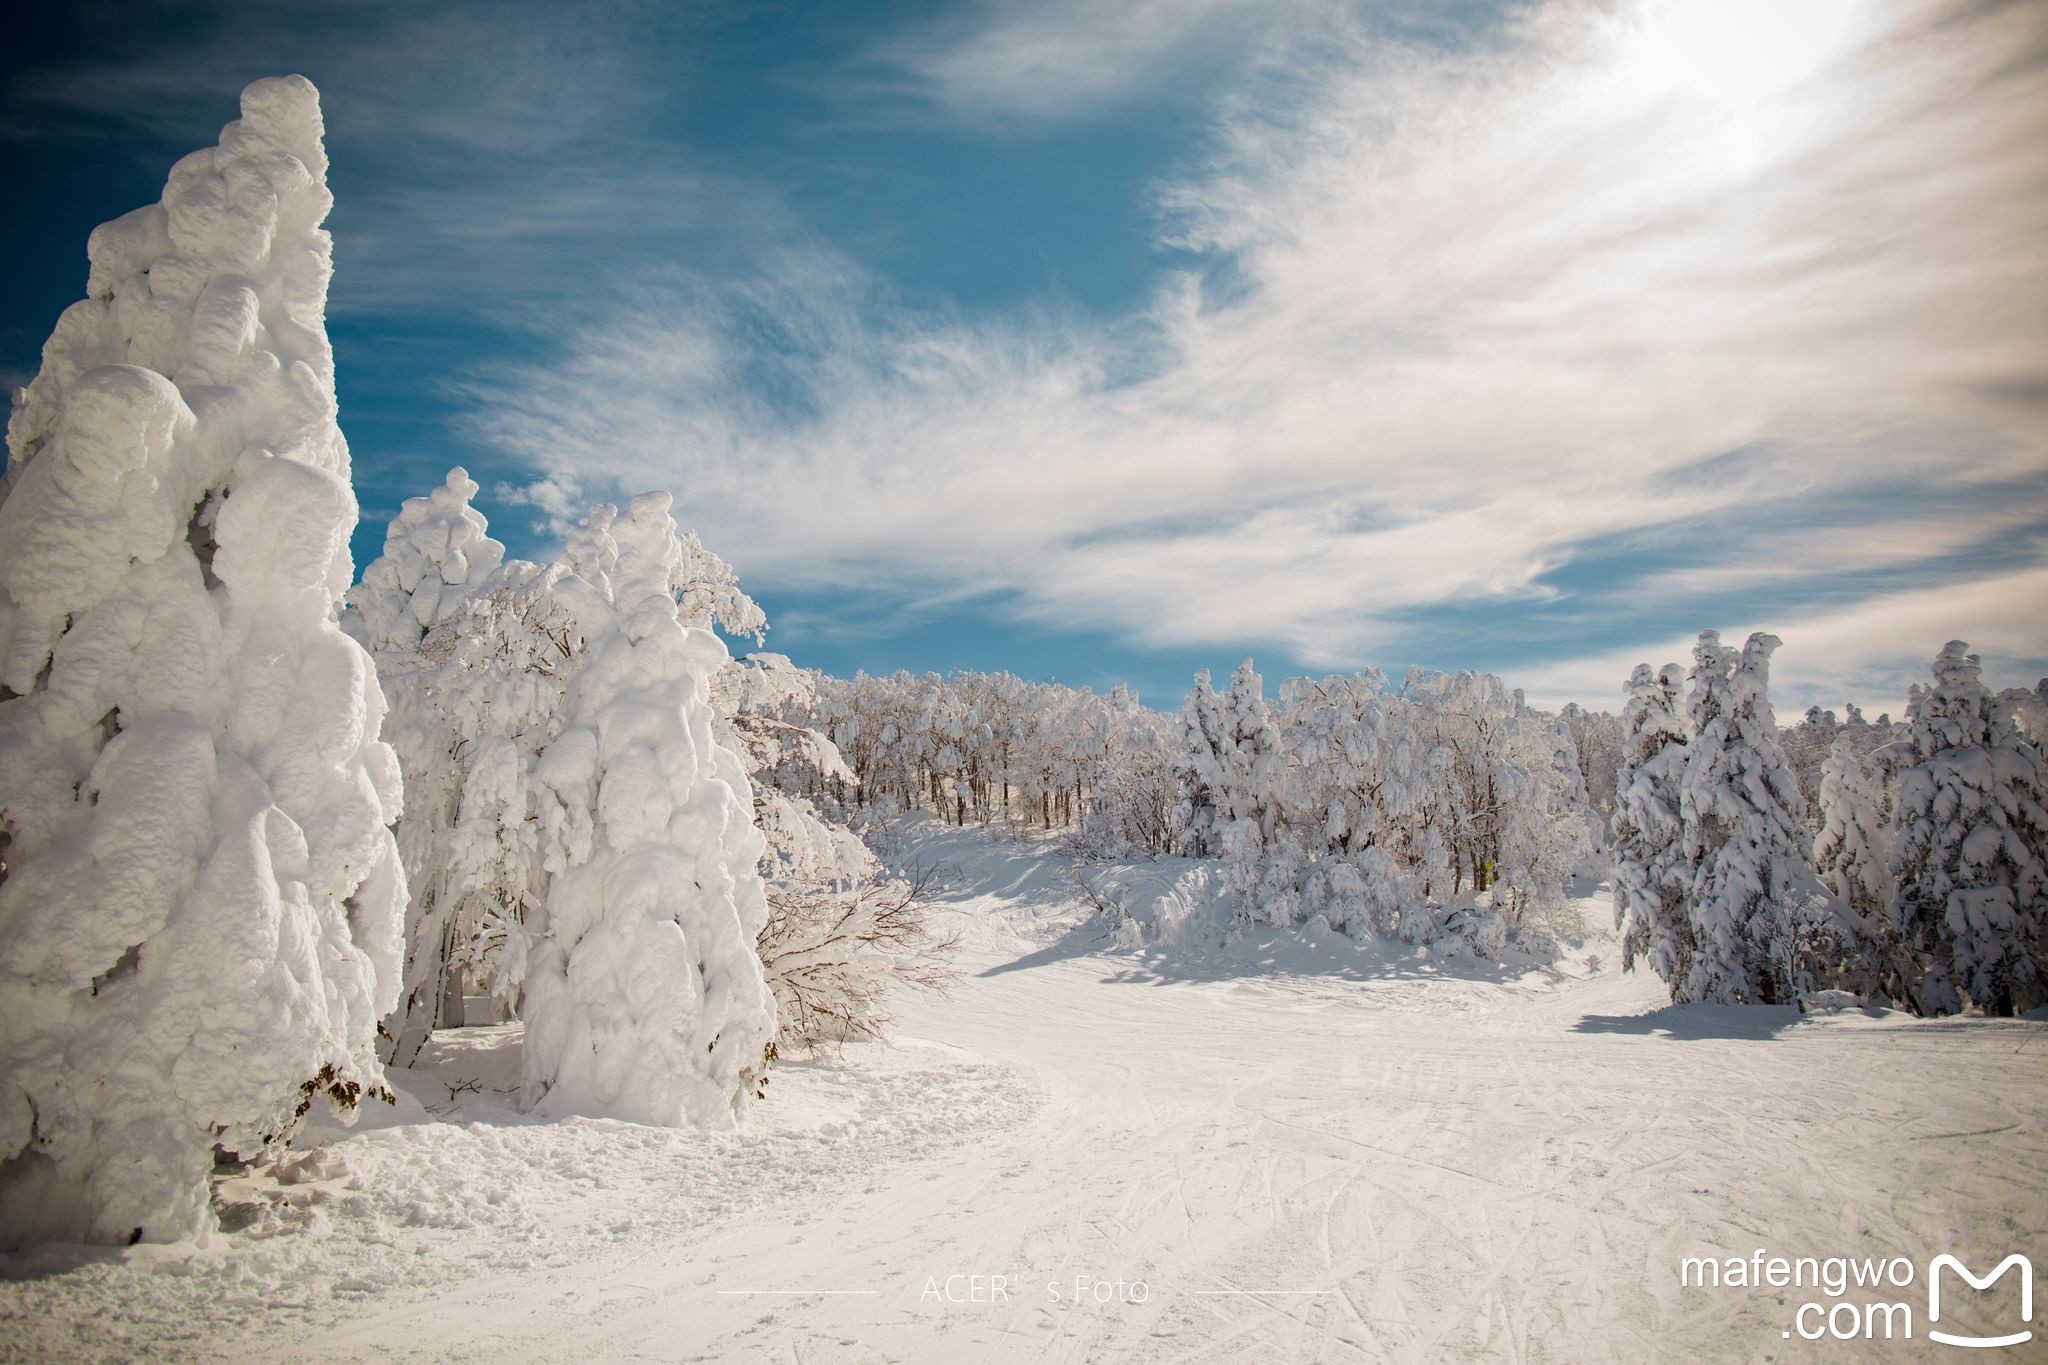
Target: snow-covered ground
1319 1152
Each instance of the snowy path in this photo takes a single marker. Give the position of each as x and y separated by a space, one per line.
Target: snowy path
1349 1166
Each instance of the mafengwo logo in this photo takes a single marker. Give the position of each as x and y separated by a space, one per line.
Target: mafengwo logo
2012 1262
1849 1315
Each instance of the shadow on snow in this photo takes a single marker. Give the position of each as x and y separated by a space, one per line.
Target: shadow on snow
1269 954
1691 1023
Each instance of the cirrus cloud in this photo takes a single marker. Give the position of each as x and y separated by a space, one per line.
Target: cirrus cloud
1450 322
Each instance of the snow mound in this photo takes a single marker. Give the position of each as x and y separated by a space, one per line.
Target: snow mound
1184 906
1819 1003
405 1212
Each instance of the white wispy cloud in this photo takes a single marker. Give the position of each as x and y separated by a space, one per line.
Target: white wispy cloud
1867 653
1055 60
464 75
1461 315
1903 536
999 64
488 158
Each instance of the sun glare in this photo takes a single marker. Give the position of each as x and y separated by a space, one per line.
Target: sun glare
1739 62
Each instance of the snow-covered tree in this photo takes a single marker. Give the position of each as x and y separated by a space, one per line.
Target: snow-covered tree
1546 821
1852 855
1853 852
989 746
2027 709
753 699
1744 846
1807 744
644 997
438 554
1599 739
502 667
483 658
1133 788
1650 871
1196 813
1247 752
1323 796
1474 736
841 938
1970 845
1442 806
499 666
200 915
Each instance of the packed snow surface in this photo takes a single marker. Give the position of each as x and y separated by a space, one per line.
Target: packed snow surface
1304 1147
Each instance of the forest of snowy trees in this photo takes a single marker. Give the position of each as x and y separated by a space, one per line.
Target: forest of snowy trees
263 832
1342 794
1913 870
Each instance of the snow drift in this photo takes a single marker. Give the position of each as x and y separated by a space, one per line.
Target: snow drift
201 905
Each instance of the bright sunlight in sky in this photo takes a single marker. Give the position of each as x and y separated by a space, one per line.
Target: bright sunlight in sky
1746 63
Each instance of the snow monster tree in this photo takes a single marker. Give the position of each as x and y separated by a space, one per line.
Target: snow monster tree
1650 875
645 1000
1970 846
202 903
1739 833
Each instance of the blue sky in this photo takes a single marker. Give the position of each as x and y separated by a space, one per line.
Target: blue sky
1103 342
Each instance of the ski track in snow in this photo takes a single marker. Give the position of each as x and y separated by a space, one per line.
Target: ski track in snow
1504 1167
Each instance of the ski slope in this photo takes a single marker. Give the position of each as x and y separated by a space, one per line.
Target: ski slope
1303 1153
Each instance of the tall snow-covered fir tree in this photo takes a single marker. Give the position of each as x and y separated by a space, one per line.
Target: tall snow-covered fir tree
1246 752
201 913
1198 812
1970 845
1650 873
645 999
1744 847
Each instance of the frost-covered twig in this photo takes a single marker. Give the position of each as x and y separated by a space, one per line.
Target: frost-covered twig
834 953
